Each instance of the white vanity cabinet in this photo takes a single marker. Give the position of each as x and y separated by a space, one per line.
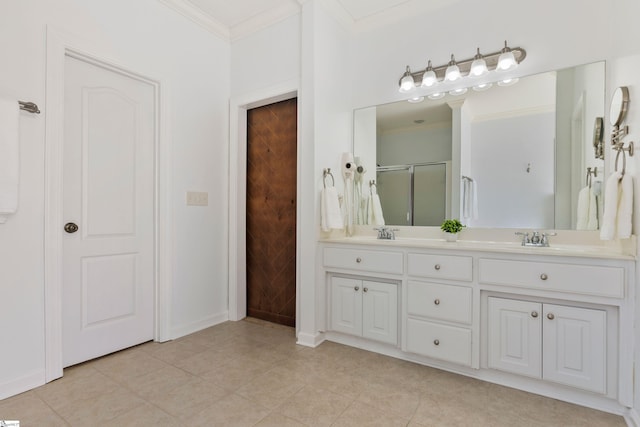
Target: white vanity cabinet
558 343
439 315
365 308
547 320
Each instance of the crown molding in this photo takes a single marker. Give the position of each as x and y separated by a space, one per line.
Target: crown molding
196 15
264 19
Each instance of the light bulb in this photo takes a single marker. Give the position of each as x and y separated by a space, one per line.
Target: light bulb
406 82
416 99
437 95
478 66
453 72
506 60
429 77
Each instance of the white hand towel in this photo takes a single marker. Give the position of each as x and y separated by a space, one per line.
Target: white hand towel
583 209
378 218
592 222
625 207
369 209
470 199
331 216
9 158
618 207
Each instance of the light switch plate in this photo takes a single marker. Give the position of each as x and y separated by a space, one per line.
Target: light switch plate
197 198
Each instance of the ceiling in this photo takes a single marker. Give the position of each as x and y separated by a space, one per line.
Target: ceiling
234 19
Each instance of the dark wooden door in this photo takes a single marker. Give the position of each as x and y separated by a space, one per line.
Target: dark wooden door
271 212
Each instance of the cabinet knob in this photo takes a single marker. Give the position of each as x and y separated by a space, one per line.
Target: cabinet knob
543 276
358 260
437 267
534 314
365 289
357 288
436 342
436 301
550 316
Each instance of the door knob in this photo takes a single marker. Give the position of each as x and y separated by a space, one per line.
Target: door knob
70 227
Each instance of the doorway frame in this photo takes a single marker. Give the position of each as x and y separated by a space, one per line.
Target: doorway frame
237 244
59 45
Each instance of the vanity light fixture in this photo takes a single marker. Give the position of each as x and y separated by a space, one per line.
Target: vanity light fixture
453 71
478 66
429 77
505 59
407 83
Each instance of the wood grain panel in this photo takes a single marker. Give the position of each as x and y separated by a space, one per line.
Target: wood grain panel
271 212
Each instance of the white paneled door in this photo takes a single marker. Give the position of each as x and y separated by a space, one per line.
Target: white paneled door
108 211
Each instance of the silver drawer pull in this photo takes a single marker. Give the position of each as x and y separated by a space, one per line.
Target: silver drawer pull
436 342
436 302
437 267
366 289
358 260
534 314
543 276
550 316
357 288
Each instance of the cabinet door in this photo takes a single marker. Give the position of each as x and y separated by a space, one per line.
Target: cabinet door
575 347
380 311
346 305
515 336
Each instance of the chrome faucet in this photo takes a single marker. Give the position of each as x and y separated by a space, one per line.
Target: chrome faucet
536 239
386 233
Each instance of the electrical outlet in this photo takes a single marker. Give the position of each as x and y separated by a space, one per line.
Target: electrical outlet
197 198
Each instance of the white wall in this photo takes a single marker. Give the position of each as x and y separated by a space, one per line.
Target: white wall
154 41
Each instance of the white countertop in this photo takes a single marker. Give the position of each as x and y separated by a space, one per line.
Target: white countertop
572 245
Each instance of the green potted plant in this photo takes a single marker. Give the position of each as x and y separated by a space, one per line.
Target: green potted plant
451 228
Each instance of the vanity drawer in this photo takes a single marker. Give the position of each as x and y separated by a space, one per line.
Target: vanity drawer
439 341
449 267
364 260
573 278
442 302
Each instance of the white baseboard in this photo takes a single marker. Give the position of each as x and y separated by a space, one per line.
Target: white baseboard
207 322
22 384
310 340
632 418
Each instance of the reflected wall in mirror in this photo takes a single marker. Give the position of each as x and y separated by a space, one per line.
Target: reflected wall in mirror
524 149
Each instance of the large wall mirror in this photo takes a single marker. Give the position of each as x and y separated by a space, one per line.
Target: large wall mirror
527 155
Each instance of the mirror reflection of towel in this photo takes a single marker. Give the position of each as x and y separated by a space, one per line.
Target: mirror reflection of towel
587 214
469 199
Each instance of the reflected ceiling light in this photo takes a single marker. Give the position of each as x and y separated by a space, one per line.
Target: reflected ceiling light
416 99
407 83
483 86
437 95
478 66
453 71
508 82
429 77
458 92
506 60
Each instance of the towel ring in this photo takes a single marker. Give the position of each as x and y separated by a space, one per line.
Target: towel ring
327 172
591 172
372 185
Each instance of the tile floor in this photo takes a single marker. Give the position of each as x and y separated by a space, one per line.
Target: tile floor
251 373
